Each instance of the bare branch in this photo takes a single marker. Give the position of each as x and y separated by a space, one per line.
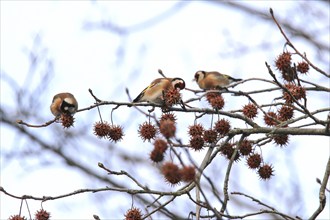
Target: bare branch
294 48
322 196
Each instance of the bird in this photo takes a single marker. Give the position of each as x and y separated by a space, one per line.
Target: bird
213 79
64 103
155 91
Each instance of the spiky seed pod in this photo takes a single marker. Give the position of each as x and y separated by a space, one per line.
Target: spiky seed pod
67 120
211 95
215 99
285 113
286 96
289 74
246 147
188 173
210 136
266 171
222 126
115 133
160 145
156 155
196 142
270 118
101 129
297 92
16 217
196 129
171 173
42 215
281 139
254 161
172 97
228 150
147 131
167 128
283 61
168 116
300 93
303 67
250 110
133 214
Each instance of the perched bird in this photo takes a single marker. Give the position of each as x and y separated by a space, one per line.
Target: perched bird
155 91
64 103
213 80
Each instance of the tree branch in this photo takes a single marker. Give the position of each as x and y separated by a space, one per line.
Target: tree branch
322 196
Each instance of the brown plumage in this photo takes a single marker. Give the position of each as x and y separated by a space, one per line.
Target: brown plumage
64 103
154 92
213 79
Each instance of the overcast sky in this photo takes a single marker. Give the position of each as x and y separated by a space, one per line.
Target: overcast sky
197 36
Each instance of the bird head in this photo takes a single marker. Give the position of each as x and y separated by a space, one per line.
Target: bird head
69 105
199 75
178 83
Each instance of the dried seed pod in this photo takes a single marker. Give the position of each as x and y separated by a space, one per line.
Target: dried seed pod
167 128
281 139
42 215
283 61
215 99
188 173
171 173
101 129
250 110
303 67
67 120
285 113
147 131
196 129
254 161
115 133
222 126
133 214
266 171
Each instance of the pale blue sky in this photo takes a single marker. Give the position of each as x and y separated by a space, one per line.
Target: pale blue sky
196 37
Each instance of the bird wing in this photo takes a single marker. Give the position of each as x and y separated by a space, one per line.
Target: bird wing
216 75
55 106
154 90
218 79
225 77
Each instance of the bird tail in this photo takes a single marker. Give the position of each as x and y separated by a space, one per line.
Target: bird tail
233 79
139 97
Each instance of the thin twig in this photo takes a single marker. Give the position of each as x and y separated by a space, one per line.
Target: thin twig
161 73
160 207
122 173
293 98
254 200
225 185
92 94
37 126
322 196
294 48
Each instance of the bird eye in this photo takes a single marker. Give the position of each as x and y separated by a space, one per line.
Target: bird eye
180 85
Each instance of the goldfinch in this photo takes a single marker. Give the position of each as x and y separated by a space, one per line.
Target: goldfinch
154 92
213 80
64 103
